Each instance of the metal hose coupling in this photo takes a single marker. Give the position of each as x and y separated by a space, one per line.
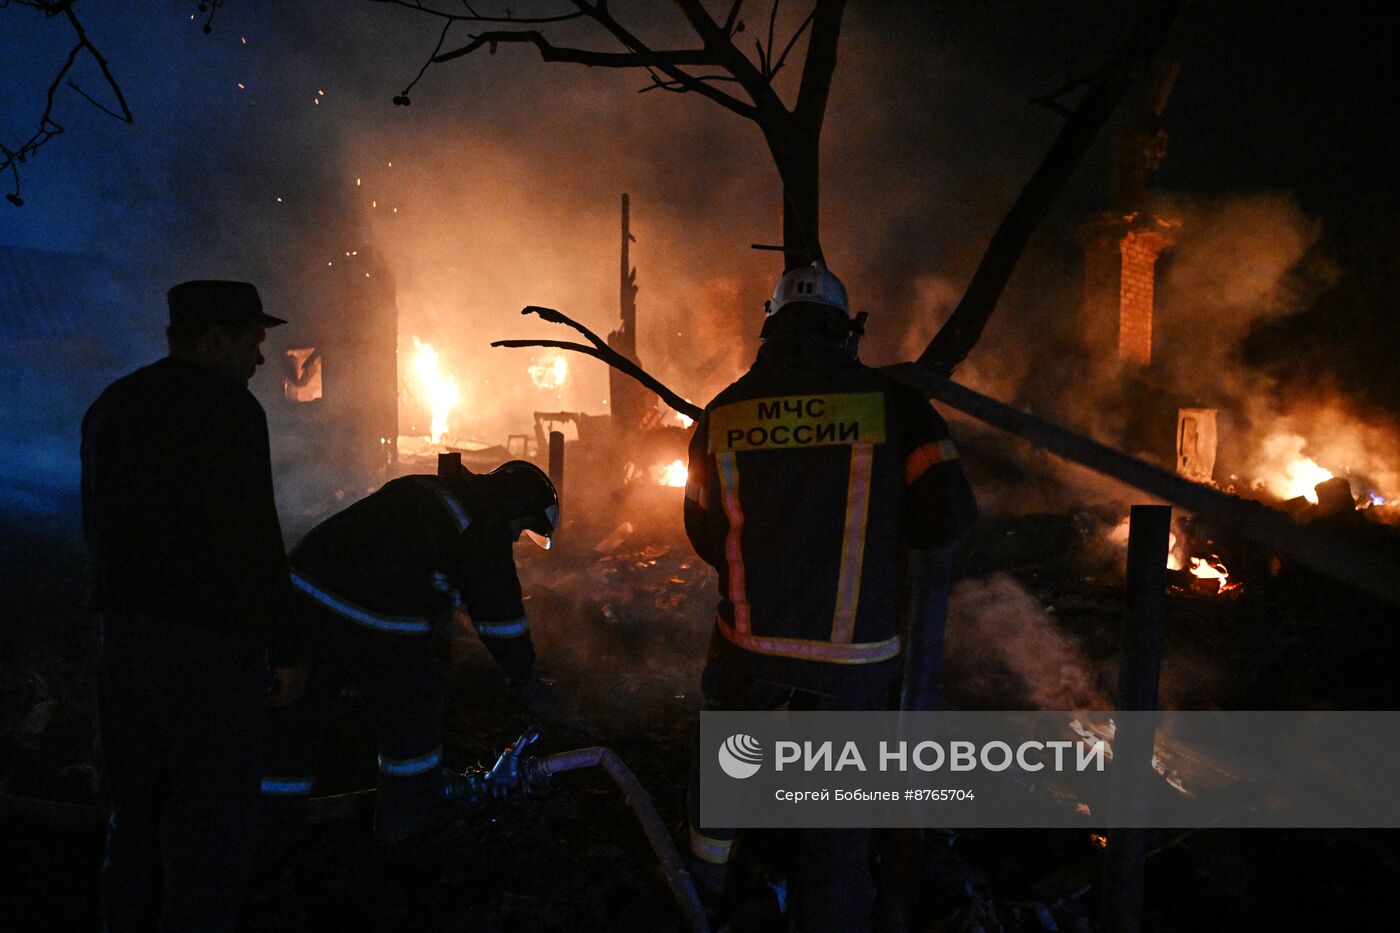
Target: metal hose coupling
513 774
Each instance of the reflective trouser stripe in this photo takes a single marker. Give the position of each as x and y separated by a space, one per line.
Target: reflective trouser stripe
709 849
365 617
502 629
843 623
926 456
287 786
408 767
808 650
733 545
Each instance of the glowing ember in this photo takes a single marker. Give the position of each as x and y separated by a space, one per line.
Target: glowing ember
673 474
550 373
438 388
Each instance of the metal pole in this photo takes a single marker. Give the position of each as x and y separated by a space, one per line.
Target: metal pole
1139 670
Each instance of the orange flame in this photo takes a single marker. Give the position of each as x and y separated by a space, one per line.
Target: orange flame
1211 569
674 474
1289 473
439 388
550 373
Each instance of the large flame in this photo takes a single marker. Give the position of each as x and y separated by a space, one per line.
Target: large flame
674 474
439 388
1291 474
550 372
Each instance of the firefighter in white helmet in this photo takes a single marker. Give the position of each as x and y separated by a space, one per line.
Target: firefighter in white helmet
811 478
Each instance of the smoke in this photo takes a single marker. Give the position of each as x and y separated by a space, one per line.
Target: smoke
1237 262
499 188
1001 643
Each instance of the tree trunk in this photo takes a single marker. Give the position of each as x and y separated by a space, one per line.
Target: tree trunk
796 153
801 215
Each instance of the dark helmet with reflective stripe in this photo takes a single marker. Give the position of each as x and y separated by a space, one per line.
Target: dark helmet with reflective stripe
524 493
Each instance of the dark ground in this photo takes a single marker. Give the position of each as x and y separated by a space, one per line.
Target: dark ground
622 634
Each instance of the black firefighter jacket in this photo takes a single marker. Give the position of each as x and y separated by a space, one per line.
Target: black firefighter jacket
807 477
401 560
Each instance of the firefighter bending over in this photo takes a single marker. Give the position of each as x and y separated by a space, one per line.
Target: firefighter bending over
380 583
811 479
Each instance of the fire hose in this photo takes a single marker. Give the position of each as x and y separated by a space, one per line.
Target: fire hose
516 773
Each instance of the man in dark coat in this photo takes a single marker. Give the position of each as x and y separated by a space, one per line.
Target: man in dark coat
191 585
812 480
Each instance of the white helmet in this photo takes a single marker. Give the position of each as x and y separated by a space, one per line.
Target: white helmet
811 284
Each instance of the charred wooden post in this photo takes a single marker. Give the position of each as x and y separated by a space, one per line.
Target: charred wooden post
628 401
556 463
1139 669
449 464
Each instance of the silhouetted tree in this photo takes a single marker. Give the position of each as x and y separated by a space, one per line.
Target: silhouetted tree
710 68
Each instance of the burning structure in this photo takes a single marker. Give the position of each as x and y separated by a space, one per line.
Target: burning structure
338 405
631 608
634 444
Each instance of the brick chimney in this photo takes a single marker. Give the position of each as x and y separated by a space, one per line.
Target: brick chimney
1122 244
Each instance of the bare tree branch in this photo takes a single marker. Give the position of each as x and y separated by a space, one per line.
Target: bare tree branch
716 53
101 63
554 53
821 63
95 102
772 25
212 7
720 45
48 127
403 97
777 66
657 84
793 135
471 16
601 351
732 20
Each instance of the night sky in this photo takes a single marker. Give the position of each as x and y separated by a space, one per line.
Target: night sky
506 171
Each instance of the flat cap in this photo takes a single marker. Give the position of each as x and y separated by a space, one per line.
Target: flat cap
210 302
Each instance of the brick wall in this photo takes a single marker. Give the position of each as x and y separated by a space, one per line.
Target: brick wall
1139 252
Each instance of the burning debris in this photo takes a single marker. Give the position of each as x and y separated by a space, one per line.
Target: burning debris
1201 573
550 373
672 474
